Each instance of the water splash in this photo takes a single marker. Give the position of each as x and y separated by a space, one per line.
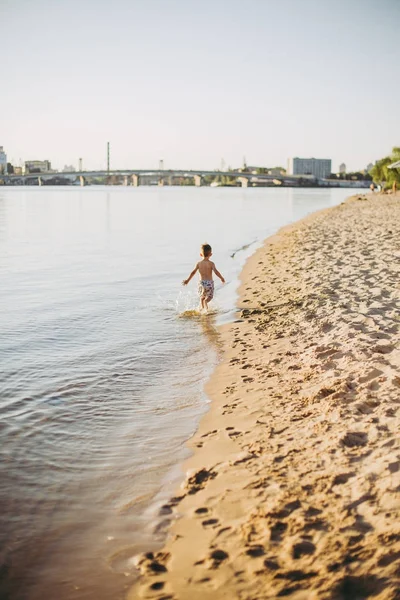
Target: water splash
186 302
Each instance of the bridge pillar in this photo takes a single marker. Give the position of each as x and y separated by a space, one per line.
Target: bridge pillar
40 181
244 181
135 180
161 182
198 180
82 180
126 182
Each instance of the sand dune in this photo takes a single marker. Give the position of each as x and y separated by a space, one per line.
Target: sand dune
294 486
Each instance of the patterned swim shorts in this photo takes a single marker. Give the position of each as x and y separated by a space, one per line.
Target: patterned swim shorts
206 289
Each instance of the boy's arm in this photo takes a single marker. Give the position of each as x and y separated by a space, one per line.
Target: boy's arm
186 281
218 274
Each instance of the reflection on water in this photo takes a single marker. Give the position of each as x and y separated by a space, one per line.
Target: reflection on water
101 378
208 325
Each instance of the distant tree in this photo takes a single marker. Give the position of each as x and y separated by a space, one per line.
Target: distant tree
358 176
10 169
379 171
384 176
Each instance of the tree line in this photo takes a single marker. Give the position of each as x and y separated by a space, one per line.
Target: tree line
382 175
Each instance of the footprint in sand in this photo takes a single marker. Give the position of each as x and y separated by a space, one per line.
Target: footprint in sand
213 432
271 564
388 559
302 548
367 407
322 352
217 557
153 562
234 434
196 482
230 408
342 478
158 585
383 348
255 551
355 438
287 510
210 522
350 587
166 509
296 575
277 531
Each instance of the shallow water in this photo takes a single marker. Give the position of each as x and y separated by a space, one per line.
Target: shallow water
102 366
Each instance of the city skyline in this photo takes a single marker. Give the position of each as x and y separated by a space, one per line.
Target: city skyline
196 84
45 166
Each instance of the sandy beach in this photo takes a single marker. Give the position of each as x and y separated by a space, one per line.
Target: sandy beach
293 489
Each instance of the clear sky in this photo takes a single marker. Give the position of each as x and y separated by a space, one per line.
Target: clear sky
193 82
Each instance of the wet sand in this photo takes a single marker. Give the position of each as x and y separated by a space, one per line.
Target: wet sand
293 489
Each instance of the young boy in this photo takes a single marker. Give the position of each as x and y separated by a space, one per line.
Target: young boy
206 269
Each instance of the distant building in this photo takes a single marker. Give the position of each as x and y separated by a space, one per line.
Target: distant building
342 169
37 166
17 170
3 161
318 167
69 169
277 171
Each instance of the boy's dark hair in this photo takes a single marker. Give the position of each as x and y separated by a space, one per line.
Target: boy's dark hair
206 249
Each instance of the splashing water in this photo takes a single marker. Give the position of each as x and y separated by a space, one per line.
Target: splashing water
186 302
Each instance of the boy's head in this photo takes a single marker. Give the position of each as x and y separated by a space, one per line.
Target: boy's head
206 250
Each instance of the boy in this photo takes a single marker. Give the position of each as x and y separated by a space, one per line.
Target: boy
206 269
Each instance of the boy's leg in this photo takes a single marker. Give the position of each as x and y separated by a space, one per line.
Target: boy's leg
201 293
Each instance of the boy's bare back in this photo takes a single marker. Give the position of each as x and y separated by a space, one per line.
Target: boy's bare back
206 268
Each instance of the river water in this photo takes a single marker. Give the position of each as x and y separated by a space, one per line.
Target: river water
101 374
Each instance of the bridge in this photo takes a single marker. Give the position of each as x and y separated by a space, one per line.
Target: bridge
134 177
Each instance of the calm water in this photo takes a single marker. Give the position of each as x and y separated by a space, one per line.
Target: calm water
101 379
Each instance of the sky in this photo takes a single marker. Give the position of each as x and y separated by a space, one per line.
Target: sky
199 83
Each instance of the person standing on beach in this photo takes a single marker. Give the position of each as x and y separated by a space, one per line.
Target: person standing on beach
206 268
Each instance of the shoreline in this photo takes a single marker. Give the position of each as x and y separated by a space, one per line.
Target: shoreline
291 490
